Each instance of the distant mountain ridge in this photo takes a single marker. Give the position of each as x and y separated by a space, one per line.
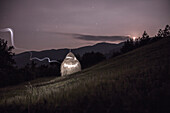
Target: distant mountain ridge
105 48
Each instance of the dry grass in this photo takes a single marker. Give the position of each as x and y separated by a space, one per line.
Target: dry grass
134 82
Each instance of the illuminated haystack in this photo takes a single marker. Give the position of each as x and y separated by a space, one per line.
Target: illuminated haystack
70 65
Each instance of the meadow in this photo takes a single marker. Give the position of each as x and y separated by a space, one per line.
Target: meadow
135 82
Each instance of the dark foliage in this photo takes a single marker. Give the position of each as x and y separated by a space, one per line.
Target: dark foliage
32 71
6 54
115 54
90 59
128 46
11 75
166 31
131 44
6 64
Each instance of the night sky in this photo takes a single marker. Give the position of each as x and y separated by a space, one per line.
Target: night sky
54 24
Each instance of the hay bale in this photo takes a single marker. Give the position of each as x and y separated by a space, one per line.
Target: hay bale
70 65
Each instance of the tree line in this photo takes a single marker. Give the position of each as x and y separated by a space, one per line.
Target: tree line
131 44
11 74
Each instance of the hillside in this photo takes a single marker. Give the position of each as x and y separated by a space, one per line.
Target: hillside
135 82
105 48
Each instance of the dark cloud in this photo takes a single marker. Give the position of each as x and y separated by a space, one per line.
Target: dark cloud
102 38
92 37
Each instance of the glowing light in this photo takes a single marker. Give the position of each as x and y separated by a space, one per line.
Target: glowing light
46 58
69 57
11 33
12 42
134 38
70 65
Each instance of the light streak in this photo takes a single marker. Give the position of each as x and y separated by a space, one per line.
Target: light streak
13 44
11 33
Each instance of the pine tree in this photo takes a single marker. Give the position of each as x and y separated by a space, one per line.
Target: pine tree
166 31
160 33
144 39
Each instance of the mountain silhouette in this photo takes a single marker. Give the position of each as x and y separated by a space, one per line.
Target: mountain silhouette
105 48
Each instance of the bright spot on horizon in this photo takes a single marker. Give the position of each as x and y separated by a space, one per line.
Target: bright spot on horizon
134 38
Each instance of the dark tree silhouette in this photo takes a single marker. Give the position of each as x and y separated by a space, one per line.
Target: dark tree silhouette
137 43
114 54
144 39
90 59
166 31
131 44
128 46
6 64
6 55
78 57
160 33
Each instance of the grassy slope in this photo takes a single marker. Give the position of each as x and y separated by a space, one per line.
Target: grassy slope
134 82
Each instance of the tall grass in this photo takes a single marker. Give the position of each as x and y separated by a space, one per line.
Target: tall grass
136 82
